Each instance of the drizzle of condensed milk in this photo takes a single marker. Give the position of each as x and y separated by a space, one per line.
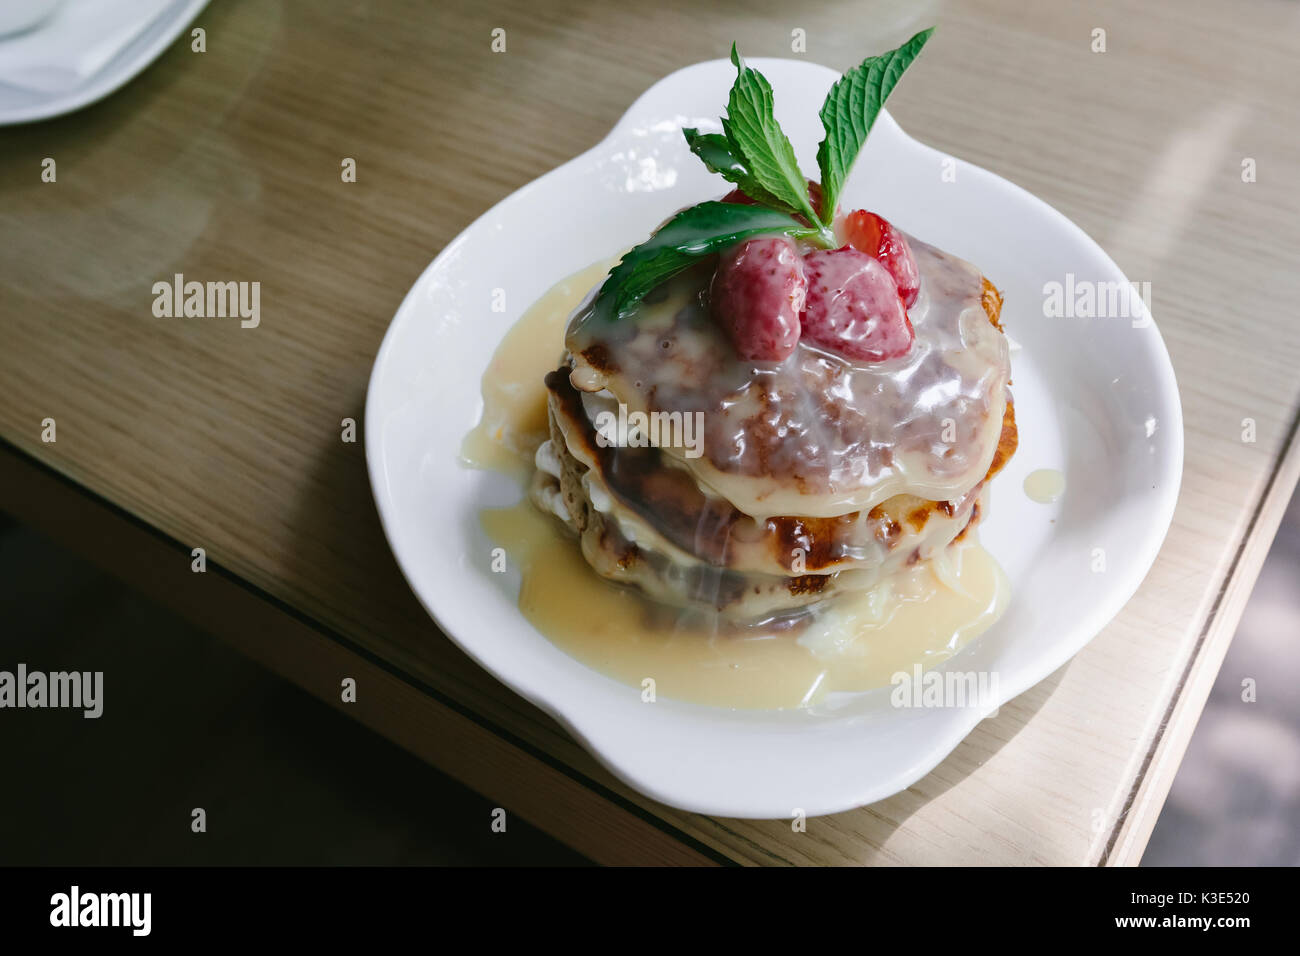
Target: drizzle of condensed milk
922 616
514 398
1044 485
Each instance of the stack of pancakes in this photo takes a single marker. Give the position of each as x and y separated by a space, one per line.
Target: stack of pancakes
810 478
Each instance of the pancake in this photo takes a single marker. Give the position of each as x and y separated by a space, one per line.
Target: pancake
814 476
648 525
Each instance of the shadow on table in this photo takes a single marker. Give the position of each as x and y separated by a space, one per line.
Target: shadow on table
188 722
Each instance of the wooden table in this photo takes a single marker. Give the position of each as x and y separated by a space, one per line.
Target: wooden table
180 434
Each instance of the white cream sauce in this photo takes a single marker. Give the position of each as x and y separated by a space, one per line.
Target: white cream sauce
816 434
1044 485
919 617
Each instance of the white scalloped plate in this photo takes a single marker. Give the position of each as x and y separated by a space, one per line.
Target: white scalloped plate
1095 398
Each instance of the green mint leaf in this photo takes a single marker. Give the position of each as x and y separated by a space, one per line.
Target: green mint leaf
715 150
683 241
852 106
757 140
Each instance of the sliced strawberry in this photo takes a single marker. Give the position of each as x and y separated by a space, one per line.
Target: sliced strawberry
854 307
757 293
869 233
814 196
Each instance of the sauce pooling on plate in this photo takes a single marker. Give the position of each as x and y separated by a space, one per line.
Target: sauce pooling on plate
860 641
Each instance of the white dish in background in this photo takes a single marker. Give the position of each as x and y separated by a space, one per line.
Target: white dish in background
1095 398
46 97
19 15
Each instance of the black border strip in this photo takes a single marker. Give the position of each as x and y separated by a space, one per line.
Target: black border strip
369 656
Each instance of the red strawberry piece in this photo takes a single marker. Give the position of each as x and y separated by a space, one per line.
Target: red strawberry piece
877 237
853 307
739 197
814 196
758 291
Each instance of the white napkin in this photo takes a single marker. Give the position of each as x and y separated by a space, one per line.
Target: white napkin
77 42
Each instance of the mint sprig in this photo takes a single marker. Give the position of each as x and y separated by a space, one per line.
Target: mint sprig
851 108
756 138
716 152
754 153
681 242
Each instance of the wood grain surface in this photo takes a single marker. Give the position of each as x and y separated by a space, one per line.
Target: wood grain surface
225 165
